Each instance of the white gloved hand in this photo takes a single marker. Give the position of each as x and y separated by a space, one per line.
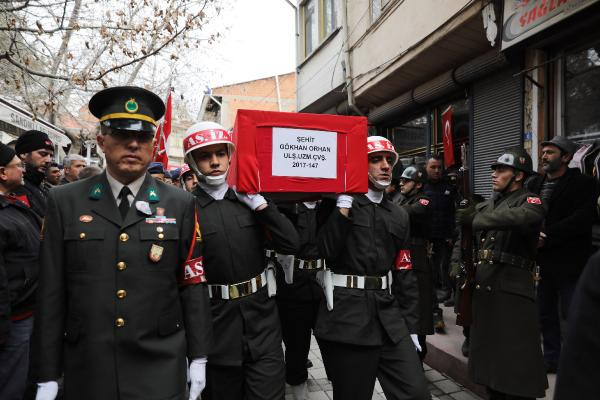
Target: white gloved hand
344 201
251 200
47 390
310 204
415 340
197 377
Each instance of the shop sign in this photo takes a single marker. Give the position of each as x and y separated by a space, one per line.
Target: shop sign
525 18
23 121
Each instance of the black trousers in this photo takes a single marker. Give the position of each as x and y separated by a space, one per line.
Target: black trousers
494 395
441 262
260 379
353 370
554 295
297 320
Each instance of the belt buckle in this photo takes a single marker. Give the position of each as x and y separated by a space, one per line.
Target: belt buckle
234 292
485 254
352 281
373 282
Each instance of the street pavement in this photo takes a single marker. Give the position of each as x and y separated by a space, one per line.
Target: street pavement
440 386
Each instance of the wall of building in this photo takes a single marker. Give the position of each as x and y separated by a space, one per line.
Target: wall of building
401 26
260 94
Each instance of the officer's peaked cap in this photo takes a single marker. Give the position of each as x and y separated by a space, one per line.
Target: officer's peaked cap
127 107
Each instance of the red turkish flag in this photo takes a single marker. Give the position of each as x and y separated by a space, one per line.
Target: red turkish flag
447 137
162 134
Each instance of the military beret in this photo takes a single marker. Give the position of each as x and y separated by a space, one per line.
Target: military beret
156 168
127 107
32 141
6 155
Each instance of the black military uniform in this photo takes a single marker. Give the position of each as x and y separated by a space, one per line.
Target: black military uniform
417 205
366 335
120 299
505 350
247 359
299 301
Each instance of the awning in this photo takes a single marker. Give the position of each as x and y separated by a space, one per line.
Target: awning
24 120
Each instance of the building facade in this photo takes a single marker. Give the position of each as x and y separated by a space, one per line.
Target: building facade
503 72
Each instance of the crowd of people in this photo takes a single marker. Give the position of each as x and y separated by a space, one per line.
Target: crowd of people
141 283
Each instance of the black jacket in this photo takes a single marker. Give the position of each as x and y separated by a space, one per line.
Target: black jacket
233 245
367 244
35 190
418 207
19 248
443 199
578 369
96 269
568 223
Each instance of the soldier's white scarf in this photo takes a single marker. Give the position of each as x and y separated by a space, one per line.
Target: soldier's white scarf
217 192
375 195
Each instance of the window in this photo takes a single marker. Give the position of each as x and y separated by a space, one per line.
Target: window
319 21
582 93
375 9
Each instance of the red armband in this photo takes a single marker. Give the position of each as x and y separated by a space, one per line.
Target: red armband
403 260
192 271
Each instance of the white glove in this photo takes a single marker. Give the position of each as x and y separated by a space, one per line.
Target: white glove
251 200
415 340
197 377
344 201
310 204
47 390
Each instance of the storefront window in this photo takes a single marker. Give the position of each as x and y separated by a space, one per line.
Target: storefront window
582 93
410 138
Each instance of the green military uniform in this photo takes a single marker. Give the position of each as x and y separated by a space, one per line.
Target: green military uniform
505 349
121 299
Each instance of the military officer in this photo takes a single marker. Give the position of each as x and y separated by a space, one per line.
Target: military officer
299 294
505 350
122 300
416 203
364 331
247 359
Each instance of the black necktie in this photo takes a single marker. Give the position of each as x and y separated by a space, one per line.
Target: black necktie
124 205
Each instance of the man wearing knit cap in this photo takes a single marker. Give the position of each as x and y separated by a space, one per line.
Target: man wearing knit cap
35 149
19 246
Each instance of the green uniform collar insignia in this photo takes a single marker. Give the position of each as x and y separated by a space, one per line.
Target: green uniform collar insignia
96 191
153 194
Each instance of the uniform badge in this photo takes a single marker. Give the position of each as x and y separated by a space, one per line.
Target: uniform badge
86 218
96 191
160 212
534 200
152 195
403 260
156 253
424 201
131 106
143 207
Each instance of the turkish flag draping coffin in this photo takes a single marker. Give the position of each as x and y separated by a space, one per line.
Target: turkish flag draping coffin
295 153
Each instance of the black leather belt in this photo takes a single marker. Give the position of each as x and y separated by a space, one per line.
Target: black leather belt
500 257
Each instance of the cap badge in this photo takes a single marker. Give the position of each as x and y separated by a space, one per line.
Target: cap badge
131 106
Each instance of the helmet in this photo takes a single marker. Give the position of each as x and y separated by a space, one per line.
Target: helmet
379 143
516 158
414 173
184 170
202 134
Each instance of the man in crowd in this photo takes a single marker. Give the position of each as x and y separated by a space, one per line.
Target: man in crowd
157 171
73 164
19 247
53 174
122 300
417 205
188 178
299 293
92 170
565 240
364 331
442 196
505 351
35 149
247 360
